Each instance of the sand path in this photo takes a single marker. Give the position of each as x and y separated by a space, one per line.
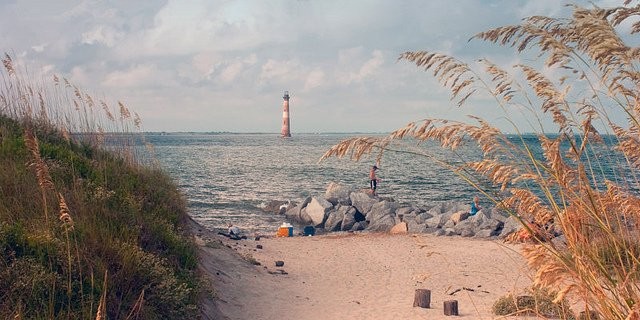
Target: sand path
358 276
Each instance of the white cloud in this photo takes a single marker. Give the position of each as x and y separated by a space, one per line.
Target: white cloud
102 34
230 73
144 75
314 79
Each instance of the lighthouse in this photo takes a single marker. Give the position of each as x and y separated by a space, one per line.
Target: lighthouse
285 115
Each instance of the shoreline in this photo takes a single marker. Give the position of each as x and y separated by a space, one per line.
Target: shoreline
355 275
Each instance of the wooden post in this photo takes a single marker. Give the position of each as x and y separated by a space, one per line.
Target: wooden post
422 298
451 308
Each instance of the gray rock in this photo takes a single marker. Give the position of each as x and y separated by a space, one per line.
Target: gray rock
466 232
293 214
359 226
317 210
435 221
382 224
362 201
510 226
459 216
449 224
334 219
349 218
415 227
405 211
439 232
422 217
491 224
338 194
486 233
380 210
304 217
450 232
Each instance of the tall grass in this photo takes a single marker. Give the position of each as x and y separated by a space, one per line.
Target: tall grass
584 183
87 228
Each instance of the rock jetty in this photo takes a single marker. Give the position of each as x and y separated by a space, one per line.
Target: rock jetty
344 209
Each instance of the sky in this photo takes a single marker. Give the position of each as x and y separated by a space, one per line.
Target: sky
223 65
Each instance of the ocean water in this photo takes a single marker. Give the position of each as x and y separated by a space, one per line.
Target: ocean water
229 178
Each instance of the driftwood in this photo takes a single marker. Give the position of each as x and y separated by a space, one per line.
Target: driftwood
422 298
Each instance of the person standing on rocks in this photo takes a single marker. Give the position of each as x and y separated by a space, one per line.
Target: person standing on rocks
373 179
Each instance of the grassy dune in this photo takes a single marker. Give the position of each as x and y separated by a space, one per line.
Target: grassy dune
86 231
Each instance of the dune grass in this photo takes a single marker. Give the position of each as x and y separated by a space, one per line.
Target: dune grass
584 182
88 229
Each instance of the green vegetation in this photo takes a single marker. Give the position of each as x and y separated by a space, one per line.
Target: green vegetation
577 84
537 302
86 230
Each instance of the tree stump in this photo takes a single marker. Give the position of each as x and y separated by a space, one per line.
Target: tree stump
422 298
451 308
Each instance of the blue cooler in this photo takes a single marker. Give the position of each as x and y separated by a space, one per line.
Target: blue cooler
309 231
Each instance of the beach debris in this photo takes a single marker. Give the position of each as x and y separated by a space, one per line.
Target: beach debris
279 263
455 291
422 298
467 289
259 246
451 308
279 271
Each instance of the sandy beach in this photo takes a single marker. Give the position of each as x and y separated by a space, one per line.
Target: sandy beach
357 276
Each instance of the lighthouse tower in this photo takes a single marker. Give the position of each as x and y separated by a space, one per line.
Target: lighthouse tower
285 115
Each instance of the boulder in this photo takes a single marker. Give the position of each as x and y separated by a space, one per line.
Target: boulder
349 218
294 213
358 226
317 210
510 226
439 220
338 194
449 232
422 217
405 211
484 234
334 219
414 227
438 232
400 228
380 210
493 225
304 217
459 216
382 224
362 201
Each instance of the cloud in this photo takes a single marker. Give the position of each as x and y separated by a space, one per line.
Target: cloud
102 34
231 60
316 78
137 76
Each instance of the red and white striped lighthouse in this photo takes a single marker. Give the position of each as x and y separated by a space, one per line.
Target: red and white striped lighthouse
285 115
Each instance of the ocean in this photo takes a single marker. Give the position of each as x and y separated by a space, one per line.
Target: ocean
230 178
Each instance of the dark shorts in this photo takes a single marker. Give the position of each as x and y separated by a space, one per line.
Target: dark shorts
373 183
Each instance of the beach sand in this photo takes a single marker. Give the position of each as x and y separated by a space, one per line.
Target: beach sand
357 276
